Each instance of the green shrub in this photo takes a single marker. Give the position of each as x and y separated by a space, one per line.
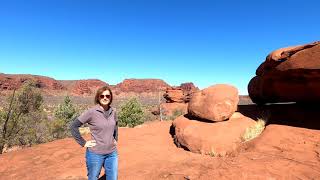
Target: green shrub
22 118
131 113
29 99
64 115
66 110
35 129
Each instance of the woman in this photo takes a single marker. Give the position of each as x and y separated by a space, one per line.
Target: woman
103 124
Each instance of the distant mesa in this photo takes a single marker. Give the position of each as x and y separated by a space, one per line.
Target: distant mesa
141 85
88 87
14 81
290 74
83 87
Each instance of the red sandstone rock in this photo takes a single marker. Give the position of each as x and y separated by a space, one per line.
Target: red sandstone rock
174 95
142 85
215 103
188 87
76 87
215 139
288 75
10 82
87 87
181 93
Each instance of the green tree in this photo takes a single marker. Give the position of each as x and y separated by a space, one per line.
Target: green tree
64 114
21 117
131 113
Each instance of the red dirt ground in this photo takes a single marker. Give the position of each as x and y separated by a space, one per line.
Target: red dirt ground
148 152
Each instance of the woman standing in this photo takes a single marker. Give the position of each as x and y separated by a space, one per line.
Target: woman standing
103 124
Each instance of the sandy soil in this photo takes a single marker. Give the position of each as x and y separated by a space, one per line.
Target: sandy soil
287 149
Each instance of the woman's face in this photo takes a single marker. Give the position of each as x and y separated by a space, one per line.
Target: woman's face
105 98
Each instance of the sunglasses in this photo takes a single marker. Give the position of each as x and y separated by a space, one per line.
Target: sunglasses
108 96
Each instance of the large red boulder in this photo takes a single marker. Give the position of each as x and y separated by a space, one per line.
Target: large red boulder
215 139
215 103
289 74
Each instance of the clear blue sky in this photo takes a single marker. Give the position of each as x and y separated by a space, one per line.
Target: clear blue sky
202 41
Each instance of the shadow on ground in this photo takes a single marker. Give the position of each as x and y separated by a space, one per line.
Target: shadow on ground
293 114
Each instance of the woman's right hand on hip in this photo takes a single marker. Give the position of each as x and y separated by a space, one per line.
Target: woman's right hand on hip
90 143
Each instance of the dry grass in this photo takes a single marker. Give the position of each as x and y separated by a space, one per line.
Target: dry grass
254 131
212 153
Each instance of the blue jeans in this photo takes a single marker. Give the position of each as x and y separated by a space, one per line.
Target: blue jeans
96 161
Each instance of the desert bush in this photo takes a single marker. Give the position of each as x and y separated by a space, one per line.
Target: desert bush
148 114
66 110
34 131
167 115
254 131
63 116
131 113
176 113
22 118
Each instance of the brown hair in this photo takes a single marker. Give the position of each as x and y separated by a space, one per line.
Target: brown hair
99 92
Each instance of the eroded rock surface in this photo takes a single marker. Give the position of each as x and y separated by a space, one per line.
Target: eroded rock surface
215 103
289 74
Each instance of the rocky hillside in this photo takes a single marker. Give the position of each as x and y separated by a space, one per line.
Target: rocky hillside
14 81
80 87
141 85
83 87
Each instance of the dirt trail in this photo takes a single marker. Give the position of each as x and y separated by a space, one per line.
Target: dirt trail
148 152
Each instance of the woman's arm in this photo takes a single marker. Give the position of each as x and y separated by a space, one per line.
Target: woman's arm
115 133
74 127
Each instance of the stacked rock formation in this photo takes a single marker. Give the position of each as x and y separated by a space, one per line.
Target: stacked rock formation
289 74
216 103
211 125
174 95
177 99
180 94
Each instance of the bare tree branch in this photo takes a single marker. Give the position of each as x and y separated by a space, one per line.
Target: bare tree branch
8 116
